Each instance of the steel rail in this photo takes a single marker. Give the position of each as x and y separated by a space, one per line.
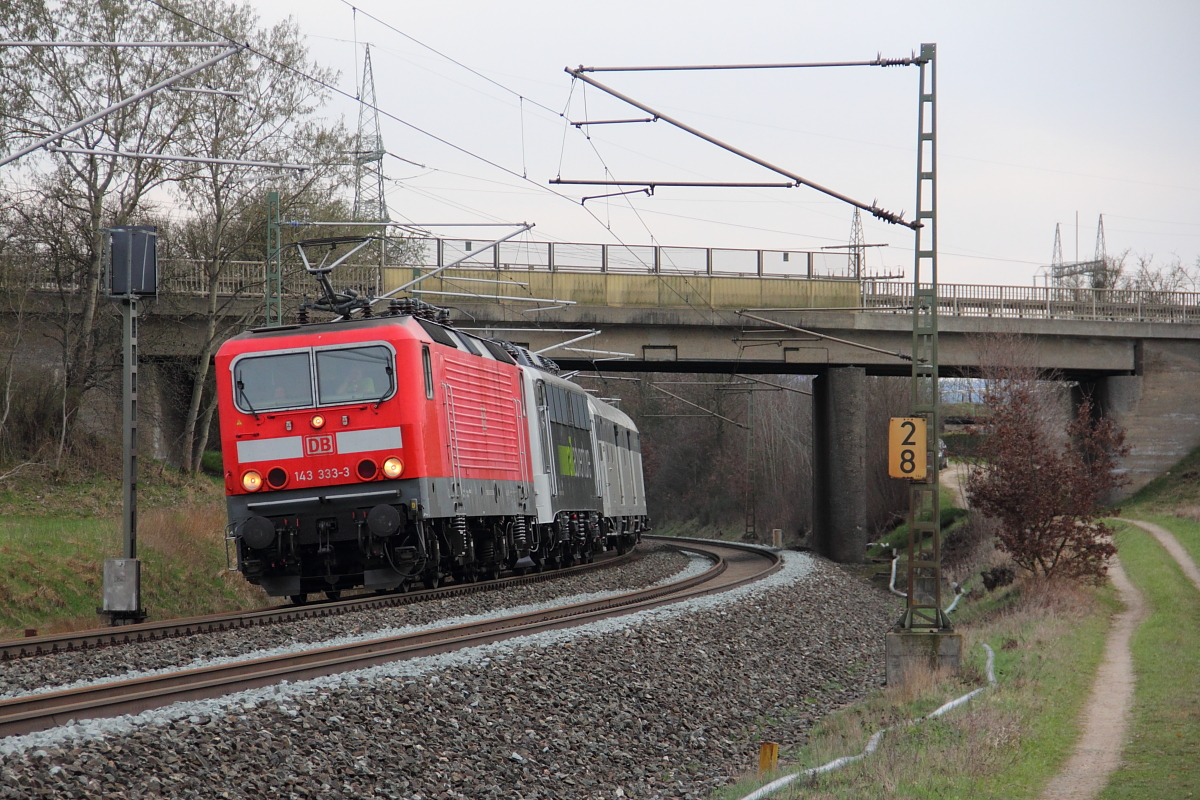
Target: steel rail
37 712
172 628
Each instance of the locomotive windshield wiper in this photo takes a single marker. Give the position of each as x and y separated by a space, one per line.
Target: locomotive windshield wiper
242 391
391 377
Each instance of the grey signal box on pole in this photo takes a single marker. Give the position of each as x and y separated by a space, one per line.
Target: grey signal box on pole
132 273
133 261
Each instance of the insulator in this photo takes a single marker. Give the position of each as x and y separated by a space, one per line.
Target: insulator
302 315
443 316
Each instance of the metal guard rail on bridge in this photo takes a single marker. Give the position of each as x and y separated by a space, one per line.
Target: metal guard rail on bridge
247 279
1040 302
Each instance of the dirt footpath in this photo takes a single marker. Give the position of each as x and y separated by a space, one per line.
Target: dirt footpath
1172 546
1106 717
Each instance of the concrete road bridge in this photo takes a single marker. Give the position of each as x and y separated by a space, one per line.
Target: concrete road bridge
655 309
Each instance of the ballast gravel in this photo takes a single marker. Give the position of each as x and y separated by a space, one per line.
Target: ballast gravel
656 562
663 703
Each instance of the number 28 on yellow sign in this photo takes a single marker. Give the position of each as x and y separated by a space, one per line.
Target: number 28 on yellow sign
907 445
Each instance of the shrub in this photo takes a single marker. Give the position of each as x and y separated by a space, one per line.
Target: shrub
1046 492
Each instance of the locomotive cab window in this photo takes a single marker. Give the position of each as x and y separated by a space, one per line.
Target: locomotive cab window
355 374
265 383
428 367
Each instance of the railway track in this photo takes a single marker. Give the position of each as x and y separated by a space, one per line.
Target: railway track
167 629
733 565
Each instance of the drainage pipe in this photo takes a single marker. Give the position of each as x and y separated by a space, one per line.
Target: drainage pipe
873 742
958 591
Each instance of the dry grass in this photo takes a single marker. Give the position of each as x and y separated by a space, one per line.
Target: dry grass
51 567
194 534
1048 637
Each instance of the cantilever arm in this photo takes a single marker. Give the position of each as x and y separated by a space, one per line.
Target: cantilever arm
872 208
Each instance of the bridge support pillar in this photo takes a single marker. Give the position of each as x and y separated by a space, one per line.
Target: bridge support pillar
1119 397
839 464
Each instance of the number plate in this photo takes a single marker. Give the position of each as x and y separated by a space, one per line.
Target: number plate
907 443
319 445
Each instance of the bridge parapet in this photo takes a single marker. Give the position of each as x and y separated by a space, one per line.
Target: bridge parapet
1040 302
702 279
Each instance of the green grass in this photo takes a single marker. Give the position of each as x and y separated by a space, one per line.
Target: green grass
34 493
1162 757
951 517
1179 486
54 539
1007 742
211 463
1187 531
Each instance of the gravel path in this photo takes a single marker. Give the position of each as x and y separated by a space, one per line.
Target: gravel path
25 675
663 703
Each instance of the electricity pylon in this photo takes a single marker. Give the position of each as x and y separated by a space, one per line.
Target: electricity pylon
858 249
370 205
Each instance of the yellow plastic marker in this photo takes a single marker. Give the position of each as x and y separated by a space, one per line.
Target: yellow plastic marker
768 757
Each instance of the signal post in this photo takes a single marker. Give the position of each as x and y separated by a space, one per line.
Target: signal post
132 273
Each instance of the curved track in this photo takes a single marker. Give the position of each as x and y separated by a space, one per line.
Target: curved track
733 565
167 629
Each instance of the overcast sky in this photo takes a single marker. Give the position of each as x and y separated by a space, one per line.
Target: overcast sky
1044 110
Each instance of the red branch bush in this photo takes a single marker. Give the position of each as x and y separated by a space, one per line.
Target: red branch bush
1047 493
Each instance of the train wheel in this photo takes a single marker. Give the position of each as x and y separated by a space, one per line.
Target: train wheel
432 581
299 599
333 595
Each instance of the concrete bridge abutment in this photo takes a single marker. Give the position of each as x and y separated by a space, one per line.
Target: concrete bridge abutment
1158 407
839 464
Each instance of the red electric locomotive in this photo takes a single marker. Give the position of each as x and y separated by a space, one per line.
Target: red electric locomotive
381 451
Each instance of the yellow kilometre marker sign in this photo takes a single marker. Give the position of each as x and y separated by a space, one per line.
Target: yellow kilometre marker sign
906 448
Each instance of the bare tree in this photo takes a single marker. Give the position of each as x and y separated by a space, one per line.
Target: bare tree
47 89
273 122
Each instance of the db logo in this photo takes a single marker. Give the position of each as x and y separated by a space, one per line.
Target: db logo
318 445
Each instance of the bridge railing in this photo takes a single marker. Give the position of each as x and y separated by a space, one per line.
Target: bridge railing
643 259
248 278
1040 302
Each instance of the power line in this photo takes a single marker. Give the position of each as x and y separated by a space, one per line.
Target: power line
452 60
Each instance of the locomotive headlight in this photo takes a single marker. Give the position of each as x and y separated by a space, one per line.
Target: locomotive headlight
251 481
317 421
392 467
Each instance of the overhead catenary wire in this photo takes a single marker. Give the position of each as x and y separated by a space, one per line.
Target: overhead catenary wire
452 60
776 385
697 405
902 356
430 134
878 61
